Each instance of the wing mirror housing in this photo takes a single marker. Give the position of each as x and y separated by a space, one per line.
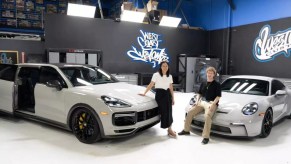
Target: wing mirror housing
280 93
54 84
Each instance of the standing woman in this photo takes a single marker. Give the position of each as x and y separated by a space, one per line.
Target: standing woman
163 83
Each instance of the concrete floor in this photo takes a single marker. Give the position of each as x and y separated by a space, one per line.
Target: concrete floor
23 141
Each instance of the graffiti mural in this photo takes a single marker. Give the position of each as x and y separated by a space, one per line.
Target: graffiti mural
267 46
8 57
150 51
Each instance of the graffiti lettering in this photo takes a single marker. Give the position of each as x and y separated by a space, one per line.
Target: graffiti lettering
150 53
267 46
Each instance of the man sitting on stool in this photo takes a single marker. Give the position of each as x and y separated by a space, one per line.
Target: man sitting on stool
208 97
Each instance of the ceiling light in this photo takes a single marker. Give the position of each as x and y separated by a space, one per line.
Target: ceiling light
170 21
132 16
81 10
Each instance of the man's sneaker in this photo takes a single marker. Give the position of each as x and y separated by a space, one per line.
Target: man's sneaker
183 133
205 141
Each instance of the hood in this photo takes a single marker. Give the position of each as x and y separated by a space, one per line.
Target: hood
232 101
122 91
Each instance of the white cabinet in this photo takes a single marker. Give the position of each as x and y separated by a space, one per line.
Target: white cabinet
79 58
54 57
91 57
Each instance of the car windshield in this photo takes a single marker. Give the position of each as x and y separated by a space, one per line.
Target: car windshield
246 86
83 76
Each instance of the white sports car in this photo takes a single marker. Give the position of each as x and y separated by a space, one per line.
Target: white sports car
81 98
249 106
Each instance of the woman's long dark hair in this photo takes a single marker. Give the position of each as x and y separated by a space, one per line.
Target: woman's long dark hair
160 70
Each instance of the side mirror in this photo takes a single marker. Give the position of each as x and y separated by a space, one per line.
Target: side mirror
54 84
280 93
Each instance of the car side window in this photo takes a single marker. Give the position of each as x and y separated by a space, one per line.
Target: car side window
7 72
277 85
29 73
49 74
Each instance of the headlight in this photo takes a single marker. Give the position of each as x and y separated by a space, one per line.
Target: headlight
250 108
114 102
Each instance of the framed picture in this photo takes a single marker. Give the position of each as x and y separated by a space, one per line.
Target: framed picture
8 57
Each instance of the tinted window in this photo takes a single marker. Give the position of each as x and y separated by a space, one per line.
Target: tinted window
277 85
82 76
7 72
246 86
29 73
49 74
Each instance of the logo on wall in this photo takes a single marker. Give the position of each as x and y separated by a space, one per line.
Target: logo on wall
268 46
150 51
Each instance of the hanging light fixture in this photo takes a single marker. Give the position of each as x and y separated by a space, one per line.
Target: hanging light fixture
81 10
170 21
132 16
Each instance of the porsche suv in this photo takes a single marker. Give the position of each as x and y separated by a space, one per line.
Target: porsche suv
82 98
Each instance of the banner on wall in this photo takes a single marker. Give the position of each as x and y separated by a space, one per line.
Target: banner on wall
150 51
8 57
268 46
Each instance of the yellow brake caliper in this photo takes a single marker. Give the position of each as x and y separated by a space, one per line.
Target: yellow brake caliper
81 120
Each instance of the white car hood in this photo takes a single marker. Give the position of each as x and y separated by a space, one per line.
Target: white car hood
232 101
123 91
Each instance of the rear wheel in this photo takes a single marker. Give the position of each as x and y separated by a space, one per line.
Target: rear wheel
85 126
267 124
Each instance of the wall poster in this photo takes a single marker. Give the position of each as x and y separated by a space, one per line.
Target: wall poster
8 57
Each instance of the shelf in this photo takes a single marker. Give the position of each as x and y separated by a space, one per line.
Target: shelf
27 14
7 14
8 1
39 2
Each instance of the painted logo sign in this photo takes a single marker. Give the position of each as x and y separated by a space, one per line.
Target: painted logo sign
150 51
268 46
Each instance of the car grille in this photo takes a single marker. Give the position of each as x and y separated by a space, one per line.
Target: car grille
124 118
213 127
131 118
148 114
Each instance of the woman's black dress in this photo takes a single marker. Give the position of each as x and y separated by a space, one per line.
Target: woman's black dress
164 101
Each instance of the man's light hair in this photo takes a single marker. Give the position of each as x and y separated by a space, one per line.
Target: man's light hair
211 69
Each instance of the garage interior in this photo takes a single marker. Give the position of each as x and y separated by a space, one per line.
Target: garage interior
219 33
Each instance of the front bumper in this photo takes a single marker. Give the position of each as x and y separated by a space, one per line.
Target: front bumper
127 122
224 124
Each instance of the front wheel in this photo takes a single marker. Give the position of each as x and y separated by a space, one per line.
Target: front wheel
85 126
267 124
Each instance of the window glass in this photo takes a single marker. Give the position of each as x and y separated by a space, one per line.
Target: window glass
277 85
82 76
49 74
31 73
246 86
7 72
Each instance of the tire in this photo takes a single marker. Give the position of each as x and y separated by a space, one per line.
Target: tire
267 124
85 126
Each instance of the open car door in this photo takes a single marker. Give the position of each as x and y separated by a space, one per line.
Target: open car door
7 91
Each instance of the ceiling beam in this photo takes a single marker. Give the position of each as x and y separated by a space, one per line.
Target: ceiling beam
231 4
177 7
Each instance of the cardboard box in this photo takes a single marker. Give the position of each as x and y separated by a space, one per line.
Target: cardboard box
141 10
152 5
163 13
126 6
